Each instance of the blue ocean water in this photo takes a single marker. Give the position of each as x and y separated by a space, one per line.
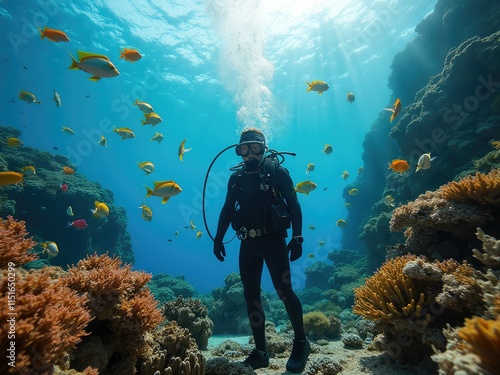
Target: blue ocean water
209 69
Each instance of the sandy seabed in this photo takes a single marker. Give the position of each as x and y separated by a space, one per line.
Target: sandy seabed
353 361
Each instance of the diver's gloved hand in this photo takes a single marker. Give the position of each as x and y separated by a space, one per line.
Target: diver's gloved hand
219 250
295 249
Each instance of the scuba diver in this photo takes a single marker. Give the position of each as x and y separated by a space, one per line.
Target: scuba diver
260 205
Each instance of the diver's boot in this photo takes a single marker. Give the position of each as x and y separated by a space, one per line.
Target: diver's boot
298 359
257 360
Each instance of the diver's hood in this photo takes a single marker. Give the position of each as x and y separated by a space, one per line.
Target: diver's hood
251 137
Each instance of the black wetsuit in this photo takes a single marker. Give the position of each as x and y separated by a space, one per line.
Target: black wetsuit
270 248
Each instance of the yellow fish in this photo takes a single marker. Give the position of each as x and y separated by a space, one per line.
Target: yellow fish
321 243
28 171
50 248
198 234
101 210
353 192
147 167
158 137
176 233
67 130
164 189
57 99
69 211
97 65
310 255
14 142
10 178
396 108
327 149
345 175
361 170
103 141
311 227
310 167
347 205
125 133
28 97
151 119
143 106
341 223
182 150
305 187
146 213
350 97
192 225
319 86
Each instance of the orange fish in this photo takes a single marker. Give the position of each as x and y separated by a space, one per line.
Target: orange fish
396 108
9 178
399 165
68 170
130 54
53 35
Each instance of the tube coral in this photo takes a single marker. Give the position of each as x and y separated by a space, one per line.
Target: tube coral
14 245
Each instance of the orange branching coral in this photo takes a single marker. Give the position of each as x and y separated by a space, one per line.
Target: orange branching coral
482 337
495 144
13 244
49 320
482 189
109 284
121 304
390 293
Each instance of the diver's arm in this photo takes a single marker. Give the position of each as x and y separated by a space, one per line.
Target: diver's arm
227 211
287 190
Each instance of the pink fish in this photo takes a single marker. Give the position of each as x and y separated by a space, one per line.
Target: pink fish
64 187
78 224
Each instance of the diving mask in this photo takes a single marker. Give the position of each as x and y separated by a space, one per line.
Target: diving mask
247 148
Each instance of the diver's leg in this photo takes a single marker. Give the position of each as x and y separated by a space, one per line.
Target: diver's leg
250 272
279 267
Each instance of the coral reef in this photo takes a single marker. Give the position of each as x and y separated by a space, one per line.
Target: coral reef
322 365
14 245
44 322
220 365
190 314
481 189
475 346
438 228
122 308
442 114
40 196
174 352
413 298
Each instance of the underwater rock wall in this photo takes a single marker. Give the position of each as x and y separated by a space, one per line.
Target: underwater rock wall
454 116
42 204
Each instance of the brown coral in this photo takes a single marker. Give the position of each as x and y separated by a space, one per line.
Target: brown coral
191 314
14 245
482 189
49 320
389 293
482 338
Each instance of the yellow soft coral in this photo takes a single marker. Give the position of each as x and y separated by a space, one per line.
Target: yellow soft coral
390 293
482 189
482 337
